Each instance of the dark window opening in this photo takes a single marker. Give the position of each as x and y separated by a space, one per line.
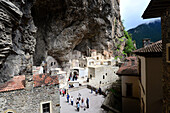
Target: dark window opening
90 76
100 82
106 73
51 63
54 63
103 77
46 108
128 89
97 58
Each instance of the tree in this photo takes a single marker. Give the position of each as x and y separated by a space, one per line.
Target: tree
129 47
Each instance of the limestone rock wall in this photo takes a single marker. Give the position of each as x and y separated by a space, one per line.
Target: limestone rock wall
61 27
16 37
66 25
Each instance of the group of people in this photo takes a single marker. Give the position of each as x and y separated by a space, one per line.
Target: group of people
63 91
80 102
73 77
97 91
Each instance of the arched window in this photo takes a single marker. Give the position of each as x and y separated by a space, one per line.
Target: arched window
51 63
103 77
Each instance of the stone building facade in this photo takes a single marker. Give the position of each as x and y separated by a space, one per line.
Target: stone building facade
17 97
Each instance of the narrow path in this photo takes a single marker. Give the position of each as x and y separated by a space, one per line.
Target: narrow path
95 102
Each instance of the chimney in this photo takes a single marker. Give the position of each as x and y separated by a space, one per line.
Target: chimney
146 42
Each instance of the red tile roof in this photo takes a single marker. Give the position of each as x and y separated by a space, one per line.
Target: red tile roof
18 82
152 48
129 67
46 79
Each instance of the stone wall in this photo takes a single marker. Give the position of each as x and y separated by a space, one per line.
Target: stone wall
102 75
23 101
166 66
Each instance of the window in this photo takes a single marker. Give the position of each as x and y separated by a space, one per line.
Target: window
100 82
129 89
106 73
103 77
54 63
97 58
46 107
51 63
168 52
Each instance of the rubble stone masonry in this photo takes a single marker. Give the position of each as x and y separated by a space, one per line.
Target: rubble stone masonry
23 101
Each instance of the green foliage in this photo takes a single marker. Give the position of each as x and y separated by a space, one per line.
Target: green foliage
118 57
122 39
129 44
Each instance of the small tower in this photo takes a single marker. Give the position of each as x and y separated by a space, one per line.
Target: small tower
146 42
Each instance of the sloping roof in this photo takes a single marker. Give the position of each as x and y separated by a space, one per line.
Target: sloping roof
156 8
152 48
18 82
44 79
129 67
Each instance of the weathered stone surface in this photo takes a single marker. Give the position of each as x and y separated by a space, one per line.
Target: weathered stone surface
23 101
16 37
64 26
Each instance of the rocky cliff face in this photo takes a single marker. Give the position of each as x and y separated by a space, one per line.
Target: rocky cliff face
61 27
66 25
16 38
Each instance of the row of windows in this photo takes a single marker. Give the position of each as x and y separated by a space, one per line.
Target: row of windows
53 63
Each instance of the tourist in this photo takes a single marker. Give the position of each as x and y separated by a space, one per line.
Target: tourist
100 91
77 101
71 99
87 102
82 102
96 91
63 92
68 97
78 106
60 91
91 90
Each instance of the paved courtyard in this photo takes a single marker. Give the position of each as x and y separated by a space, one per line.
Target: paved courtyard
94 101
